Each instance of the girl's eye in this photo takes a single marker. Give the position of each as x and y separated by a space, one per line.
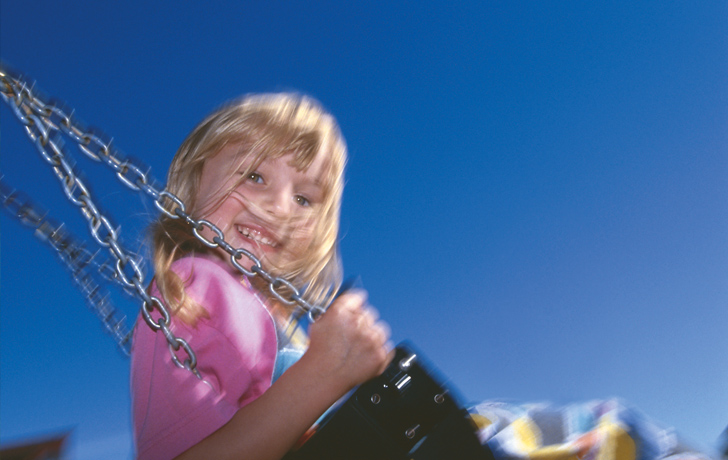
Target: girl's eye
255 177
302 200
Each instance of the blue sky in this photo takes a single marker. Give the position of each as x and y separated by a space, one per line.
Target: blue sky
536 191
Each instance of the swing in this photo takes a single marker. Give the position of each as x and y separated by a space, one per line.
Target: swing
406 412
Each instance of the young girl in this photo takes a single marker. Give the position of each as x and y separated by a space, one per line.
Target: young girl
267 170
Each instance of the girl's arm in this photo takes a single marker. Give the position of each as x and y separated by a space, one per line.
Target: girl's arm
348 346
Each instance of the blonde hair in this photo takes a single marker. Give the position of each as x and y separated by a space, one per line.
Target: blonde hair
266 126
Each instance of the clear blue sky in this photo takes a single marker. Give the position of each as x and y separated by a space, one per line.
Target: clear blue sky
537 191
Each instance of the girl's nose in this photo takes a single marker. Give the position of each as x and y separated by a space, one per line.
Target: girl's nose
278 203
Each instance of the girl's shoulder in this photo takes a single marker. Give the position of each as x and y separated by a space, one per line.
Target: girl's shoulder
213 283
201 262
207 268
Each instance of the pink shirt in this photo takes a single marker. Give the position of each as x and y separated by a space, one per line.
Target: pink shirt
236 352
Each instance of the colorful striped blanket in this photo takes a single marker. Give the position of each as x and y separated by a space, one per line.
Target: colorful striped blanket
599 430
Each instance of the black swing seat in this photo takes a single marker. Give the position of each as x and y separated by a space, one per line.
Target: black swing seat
405 413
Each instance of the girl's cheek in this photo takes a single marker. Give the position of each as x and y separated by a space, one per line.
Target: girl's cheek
305 227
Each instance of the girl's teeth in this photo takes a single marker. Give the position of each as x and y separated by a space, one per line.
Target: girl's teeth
255 236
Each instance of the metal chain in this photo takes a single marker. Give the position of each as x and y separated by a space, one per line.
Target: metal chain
43 121
75 256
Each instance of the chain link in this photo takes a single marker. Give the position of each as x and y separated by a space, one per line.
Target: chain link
43 121
76 257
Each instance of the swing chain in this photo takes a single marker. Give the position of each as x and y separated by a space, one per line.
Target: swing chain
42 123
76 257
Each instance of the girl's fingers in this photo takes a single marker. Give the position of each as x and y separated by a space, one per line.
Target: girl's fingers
354 298
366 318
372 312
382 331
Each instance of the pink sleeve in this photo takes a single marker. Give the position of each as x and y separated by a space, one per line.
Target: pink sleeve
236 351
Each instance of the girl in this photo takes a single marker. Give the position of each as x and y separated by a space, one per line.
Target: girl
267 170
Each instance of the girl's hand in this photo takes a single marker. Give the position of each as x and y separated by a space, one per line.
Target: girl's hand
349 343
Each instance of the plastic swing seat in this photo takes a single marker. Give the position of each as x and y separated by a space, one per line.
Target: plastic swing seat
405 413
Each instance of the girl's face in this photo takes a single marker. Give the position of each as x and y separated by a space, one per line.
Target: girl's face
271 212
